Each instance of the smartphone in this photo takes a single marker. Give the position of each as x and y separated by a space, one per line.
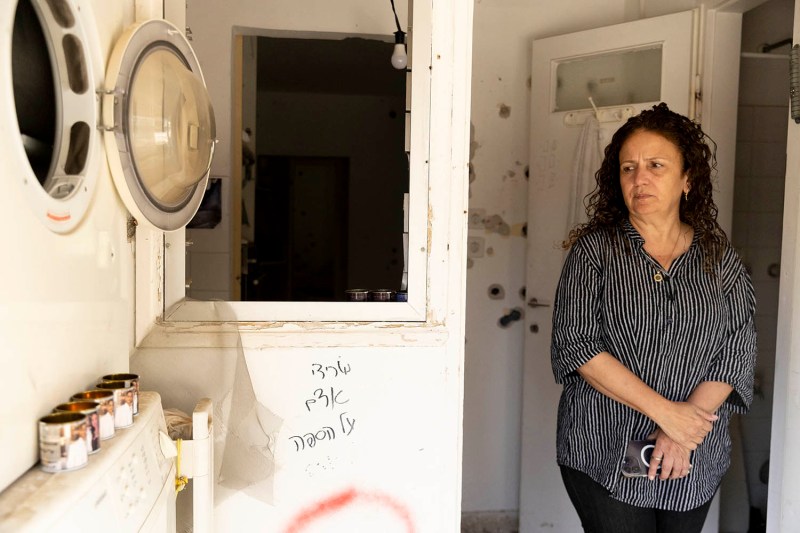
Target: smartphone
636 462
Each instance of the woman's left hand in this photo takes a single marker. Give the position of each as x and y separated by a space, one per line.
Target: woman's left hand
671 456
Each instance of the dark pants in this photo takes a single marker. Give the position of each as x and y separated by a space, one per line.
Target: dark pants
600 513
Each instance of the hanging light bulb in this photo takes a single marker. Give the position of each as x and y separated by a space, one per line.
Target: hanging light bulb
399 57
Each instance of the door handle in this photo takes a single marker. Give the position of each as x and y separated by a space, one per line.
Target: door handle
533 302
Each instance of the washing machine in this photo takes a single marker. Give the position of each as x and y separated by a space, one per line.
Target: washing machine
130 485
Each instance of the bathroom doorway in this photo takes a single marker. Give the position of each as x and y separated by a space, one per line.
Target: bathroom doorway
757 230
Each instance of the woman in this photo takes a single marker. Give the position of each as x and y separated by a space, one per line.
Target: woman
653 333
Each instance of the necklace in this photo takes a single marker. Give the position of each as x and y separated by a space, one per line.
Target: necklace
659 276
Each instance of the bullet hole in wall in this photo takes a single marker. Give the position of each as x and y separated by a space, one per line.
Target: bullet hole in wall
505 111
525 230
527 172
496 292
522 292
512 316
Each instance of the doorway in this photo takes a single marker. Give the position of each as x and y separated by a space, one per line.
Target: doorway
758 220
299 231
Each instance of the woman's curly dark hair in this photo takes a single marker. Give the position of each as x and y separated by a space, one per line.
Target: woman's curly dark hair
605 206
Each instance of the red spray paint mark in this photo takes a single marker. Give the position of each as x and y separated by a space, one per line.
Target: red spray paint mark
344 499
58 218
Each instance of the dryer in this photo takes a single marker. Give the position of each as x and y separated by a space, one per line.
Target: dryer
106 124
153 111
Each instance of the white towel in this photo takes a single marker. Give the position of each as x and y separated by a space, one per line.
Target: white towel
588 157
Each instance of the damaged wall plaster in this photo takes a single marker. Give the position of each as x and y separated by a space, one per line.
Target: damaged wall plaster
496 224
476 220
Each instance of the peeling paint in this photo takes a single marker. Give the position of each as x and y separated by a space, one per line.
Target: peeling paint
505 111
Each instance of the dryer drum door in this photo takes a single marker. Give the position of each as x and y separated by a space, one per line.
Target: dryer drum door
159 125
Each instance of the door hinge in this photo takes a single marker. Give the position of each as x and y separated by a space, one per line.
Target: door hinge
698 98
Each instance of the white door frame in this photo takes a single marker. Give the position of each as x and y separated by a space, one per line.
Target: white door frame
783 504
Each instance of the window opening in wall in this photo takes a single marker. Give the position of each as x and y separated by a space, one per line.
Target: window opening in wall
324 173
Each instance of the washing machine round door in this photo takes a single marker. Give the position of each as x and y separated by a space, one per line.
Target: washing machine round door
159 125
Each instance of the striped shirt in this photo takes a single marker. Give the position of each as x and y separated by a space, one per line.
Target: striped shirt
675 333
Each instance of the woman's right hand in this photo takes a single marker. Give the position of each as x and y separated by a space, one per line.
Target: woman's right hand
673 460
686 424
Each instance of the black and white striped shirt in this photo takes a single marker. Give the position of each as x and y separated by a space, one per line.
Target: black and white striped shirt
675 333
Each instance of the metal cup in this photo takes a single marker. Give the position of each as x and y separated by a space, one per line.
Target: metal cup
123 402
357 295
381 295
91 410
62 442
131 379
105 399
